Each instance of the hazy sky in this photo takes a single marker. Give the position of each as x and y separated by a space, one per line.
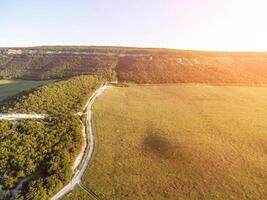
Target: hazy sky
181 24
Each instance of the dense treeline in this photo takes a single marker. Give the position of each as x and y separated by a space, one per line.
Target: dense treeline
44 150
41 67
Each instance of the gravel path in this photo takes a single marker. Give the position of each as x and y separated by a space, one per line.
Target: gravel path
87 157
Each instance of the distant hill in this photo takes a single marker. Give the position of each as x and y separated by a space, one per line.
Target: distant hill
140 65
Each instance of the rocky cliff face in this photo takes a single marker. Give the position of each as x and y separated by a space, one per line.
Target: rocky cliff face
73 53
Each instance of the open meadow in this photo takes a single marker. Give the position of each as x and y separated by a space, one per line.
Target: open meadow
183 141
11 87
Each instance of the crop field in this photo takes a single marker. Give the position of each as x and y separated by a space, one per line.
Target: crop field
183 141
11 87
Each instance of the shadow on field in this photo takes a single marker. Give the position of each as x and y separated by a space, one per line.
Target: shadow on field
156 144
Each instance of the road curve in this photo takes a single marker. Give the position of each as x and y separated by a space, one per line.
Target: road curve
76 179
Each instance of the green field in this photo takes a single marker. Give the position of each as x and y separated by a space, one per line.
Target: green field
184 141
78 194
11 87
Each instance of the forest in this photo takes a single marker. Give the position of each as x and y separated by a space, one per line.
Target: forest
43 150
43 67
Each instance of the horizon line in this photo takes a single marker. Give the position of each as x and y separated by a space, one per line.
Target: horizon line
132 47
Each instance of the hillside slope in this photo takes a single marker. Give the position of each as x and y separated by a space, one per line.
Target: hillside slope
198 69
134 64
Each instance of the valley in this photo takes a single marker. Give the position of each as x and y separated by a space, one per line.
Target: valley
174 125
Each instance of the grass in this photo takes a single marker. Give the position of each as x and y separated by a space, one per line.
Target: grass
77 194
184 141
11 87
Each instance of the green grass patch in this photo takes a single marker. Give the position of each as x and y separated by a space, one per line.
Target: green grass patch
185 141
12 87
78 194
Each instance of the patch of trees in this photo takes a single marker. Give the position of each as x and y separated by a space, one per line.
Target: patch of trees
42 67
44 149
57 98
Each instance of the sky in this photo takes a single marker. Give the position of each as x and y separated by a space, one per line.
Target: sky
221 25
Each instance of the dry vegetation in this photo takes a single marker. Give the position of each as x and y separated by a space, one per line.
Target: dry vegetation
186 141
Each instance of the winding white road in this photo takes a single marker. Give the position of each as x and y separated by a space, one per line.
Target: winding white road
87 157
17 116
